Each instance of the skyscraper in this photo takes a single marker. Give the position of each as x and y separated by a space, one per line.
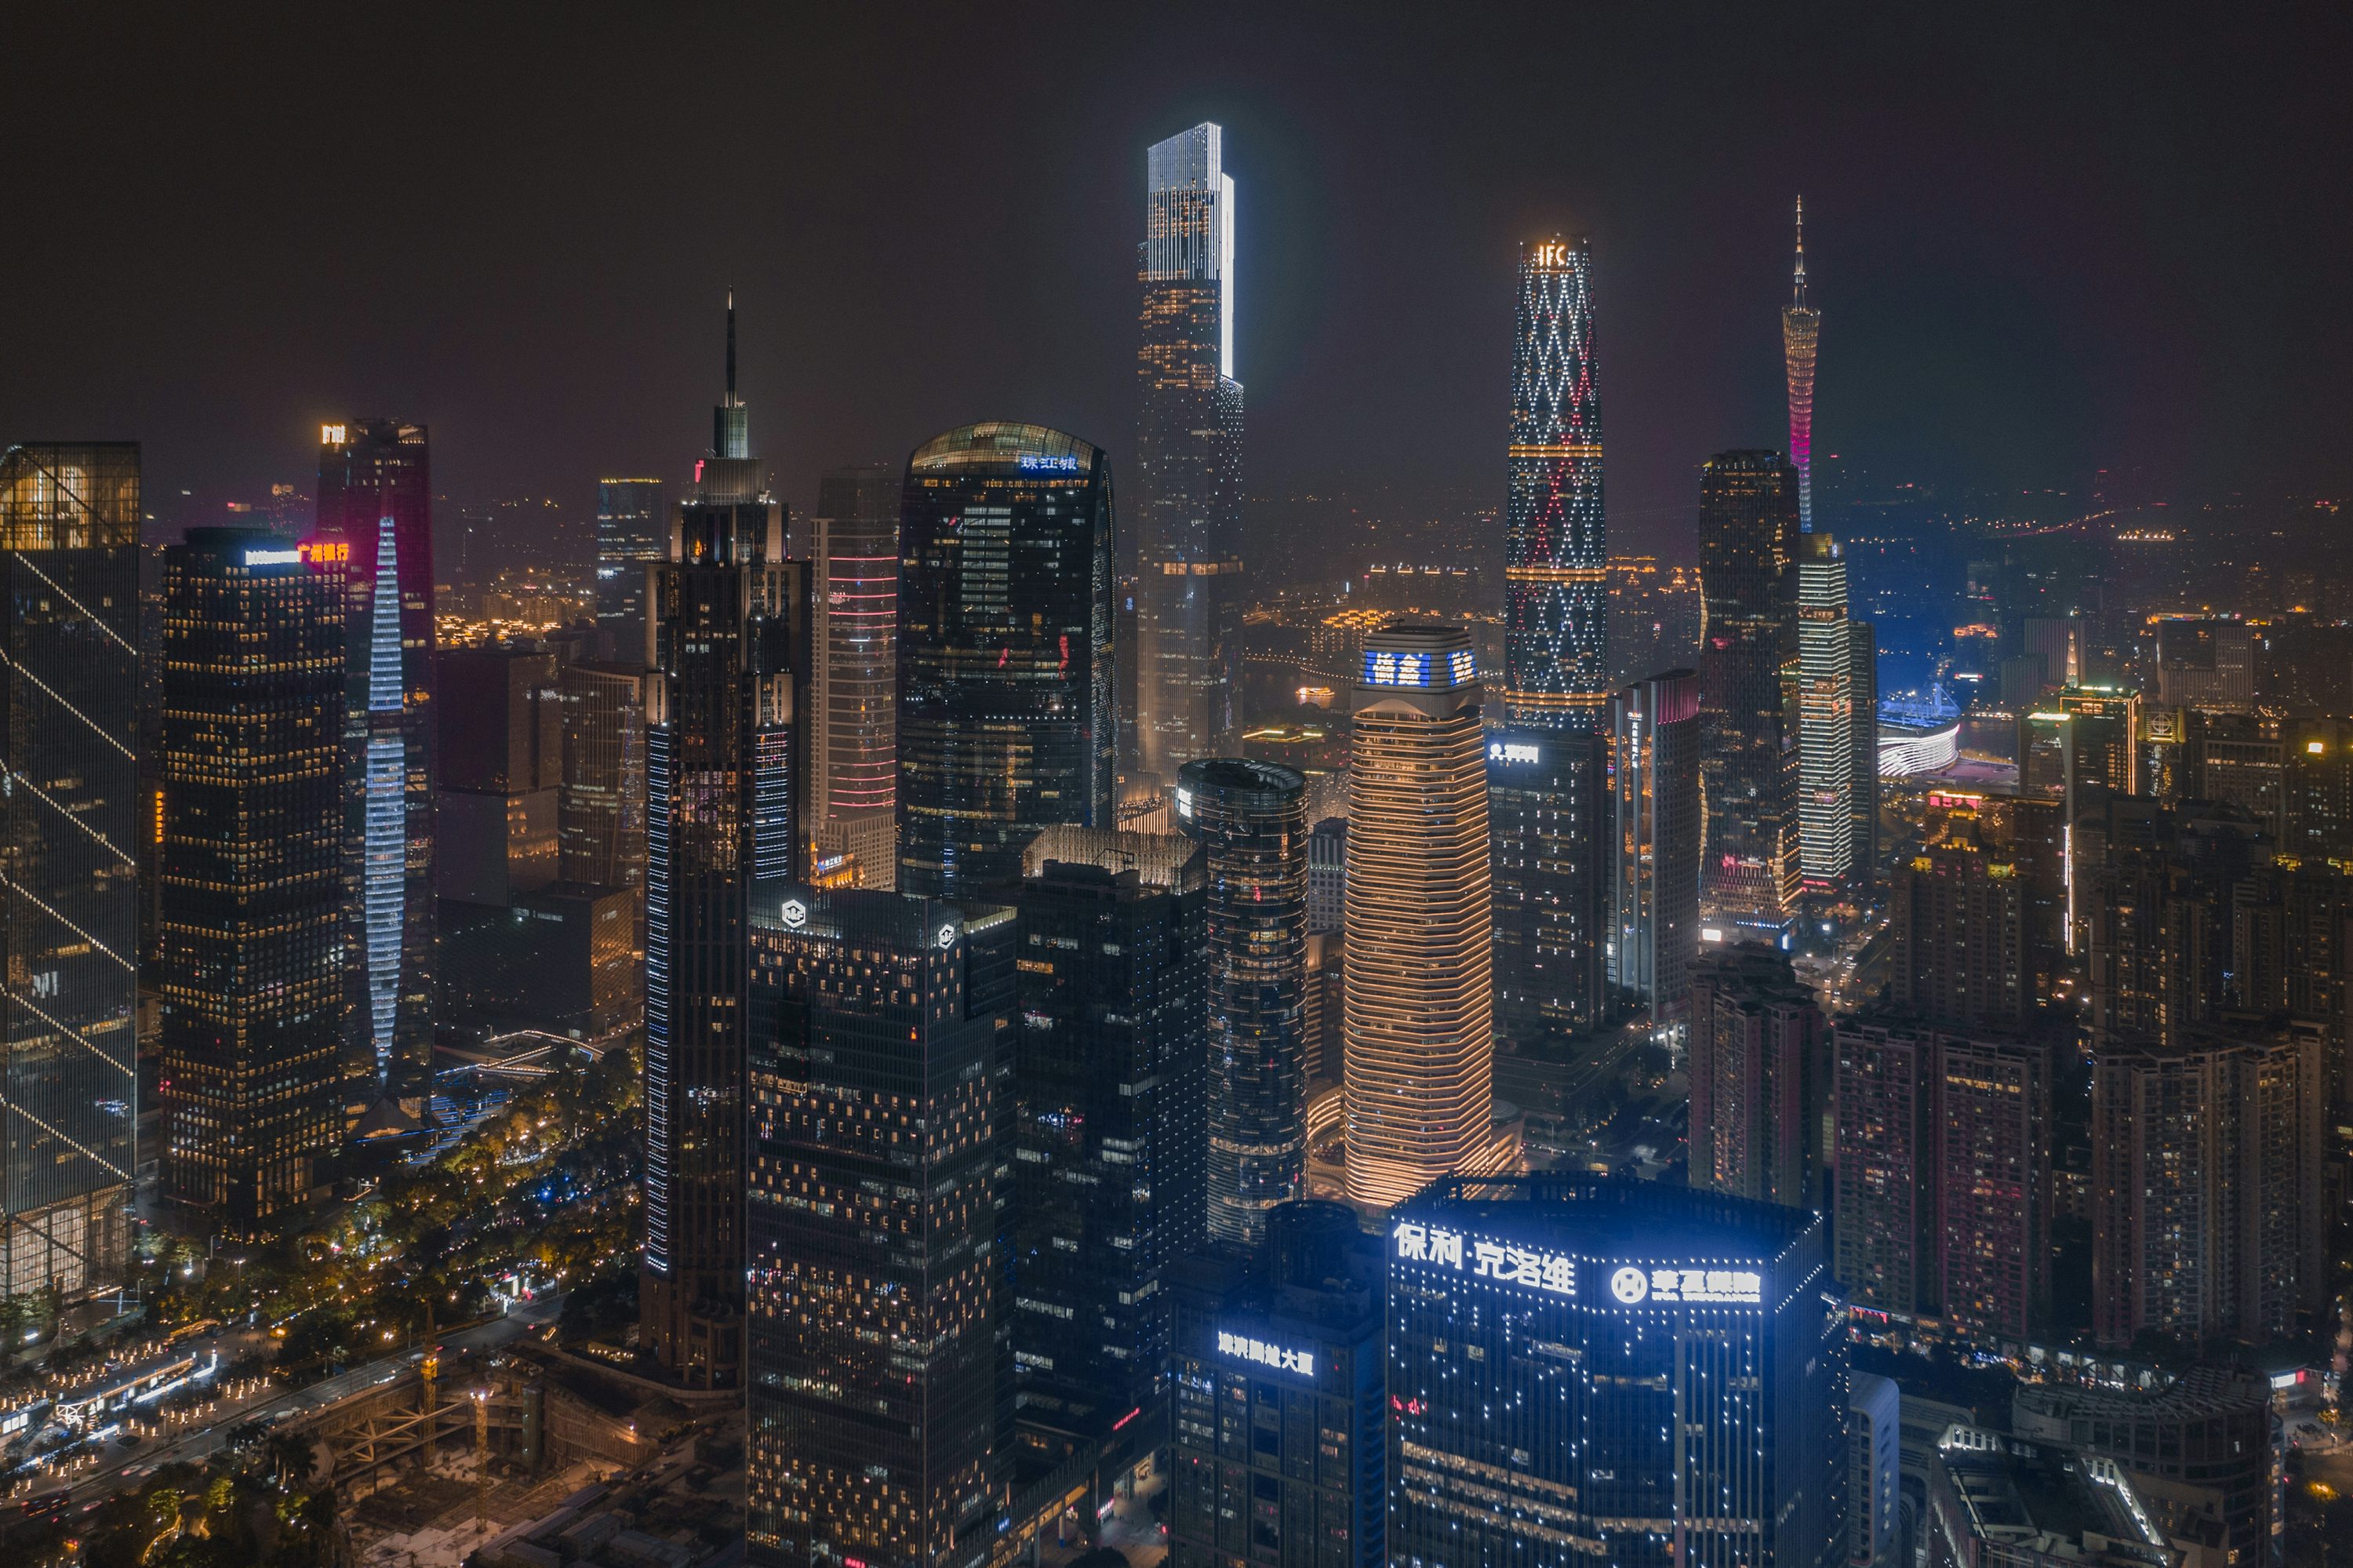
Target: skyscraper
1250 819
1553 866
880 1383
1747 550
1555 548
1189 462
854 761
1862 677
1759 1048
69 626
600 806
1110 1093
1959 928
2206 1185
1825 718
1801 328
501 764
1585 1368
725 742
1655 902
250 948
1006 720
632 532
1419 1011
375 501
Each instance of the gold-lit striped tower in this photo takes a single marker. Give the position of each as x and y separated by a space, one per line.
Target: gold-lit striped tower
1420 1004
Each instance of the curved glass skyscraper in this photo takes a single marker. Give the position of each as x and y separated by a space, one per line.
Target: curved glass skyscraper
1554 544
1252 819
1006 720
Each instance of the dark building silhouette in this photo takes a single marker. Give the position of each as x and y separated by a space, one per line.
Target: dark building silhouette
726 749
1006 720
1656 821
1747 554
249 951
880 1388
632 532
1759 1049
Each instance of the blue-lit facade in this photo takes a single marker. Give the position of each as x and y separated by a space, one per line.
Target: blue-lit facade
1585 1368
727 732
1277 1455
1556 546
1007 718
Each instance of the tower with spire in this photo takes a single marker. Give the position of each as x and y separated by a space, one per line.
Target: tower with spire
1800 336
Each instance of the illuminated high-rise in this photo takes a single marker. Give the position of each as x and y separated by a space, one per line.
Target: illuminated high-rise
1748 643
632 532
1419 1011
1801 328
1250 820
1826 718
877 1408
1655 872
1189 462
724 759
375 501
1555 548
854 759
249 951
1588 1369
1006 716
69 820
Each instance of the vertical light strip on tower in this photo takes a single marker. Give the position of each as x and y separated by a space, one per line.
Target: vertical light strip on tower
1800 330
385 822
1555 546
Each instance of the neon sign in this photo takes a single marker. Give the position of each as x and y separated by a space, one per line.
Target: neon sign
1266 1353
1041 462
1513 751
272 557
1633 1285
1552 1272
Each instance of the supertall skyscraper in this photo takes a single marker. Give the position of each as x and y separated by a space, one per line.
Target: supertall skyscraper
69 820
1189 462
1006 720
1556 549
854 759
1801 328
725 742
249 953
1250 820
1826 717
1749 642
375 501
1549 794
1419 1020
1654 903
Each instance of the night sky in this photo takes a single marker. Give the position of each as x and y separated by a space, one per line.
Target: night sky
2041 247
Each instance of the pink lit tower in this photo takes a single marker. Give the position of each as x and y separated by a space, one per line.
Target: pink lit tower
1800 333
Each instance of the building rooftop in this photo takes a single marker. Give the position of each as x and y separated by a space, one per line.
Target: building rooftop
1598 1216
2051 1500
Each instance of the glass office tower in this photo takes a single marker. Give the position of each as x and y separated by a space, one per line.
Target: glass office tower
1826 717
1583 1369
725 742
1188 439
375 503
1655 905
854 760
249 951
1251 819
1006 713
632 532
70 547
1418 1018
1748 650
881 1379
1110 1094
1556 543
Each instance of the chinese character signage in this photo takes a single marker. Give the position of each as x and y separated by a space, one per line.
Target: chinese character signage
1246 1348
1552 1272
1633 1285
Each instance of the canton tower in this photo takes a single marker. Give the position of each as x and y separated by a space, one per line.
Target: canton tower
1554 676
1800 332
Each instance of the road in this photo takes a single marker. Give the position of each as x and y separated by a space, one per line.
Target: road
113 1473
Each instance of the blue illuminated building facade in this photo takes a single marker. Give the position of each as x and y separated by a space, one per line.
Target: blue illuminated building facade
1276 1454
1007 718
1583 1368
